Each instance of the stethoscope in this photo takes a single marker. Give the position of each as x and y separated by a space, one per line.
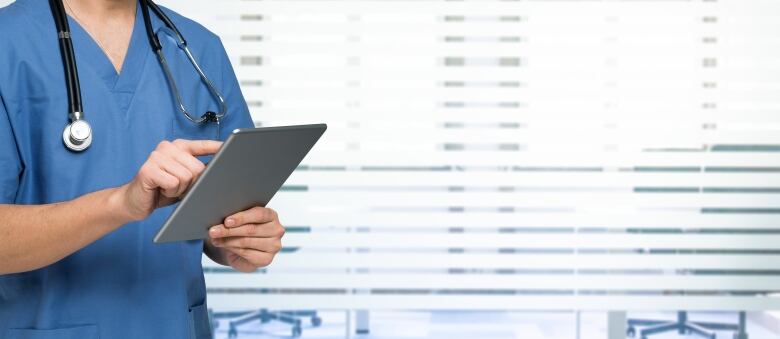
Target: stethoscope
77 135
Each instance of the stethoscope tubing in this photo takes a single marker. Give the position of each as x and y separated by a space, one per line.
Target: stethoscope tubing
68 59
154 42
77 135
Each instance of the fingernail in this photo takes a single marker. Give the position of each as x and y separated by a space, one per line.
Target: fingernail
217 242
214 231
230 222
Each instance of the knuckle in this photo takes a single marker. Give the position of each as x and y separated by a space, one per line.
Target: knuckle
243 243
238 218
200 167
264 260
158 156
179 142
277 246
145 170
174 183
163 144
280 231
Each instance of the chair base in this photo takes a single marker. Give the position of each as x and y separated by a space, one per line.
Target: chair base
264 316
683 326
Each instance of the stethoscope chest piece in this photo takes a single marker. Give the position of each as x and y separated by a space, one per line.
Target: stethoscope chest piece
77 136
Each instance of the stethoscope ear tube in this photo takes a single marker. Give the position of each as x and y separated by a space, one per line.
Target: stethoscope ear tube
156 46
153 40
68 57
167 21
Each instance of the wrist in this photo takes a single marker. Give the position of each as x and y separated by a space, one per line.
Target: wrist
119 207
216 254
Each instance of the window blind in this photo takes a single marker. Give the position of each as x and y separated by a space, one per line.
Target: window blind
515 154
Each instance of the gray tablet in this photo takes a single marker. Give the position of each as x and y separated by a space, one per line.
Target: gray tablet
246 172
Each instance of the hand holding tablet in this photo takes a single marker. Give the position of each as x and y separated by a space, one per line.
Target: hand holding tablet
247 171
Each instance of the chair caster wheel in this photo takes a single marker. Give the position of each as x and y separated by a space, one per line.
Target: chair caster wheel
296 332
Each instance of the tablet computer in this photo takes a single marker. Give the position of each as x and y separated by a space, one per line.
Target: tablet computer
246 172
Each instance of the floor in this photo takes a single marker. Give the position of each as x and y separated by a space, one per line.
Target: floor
473 325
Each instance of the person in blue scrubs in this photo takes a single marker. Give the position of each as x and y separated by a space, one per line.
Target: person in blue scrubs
76 253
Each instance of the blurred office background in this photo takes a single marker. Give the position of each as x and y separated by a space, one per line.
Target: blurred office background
512 169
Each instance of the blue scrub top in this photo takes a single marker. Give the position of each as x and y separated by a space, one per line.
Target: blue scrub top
123 285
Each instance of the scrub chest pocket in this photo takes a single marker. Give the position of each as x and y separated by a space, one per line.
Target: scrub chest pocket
185 129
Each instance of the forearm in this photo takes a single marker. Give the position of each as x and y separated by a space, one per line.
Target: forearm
34 236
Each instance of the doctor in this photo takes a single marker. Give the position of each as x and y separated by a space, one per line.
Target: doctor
76 225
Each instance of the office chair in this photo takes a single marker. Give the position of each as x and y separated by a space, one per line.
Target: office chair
684 326
294 318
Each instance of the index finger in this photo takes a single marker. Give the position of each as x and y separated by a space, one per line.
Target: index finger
199 147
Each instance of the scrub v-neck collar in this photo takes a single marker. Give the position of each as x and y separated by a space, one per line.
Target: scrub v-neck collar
93 62
93 56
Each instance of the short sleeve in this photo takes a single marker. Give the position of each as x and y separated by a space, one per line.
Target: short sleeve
10 163
238 115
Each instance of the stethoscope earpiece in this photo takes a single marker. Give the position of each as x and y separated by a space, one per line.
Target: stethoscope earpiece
77 135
